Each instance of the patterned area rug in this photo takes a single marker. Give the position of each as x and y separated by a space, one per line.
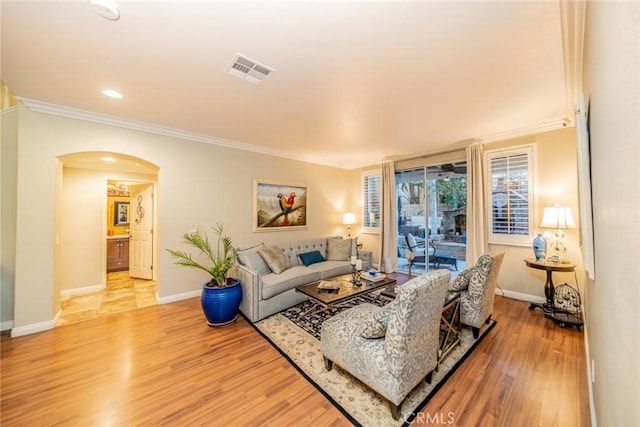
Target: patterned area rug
295 332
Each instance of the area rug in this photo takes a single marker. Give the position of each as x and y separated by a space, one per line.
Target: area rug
297 339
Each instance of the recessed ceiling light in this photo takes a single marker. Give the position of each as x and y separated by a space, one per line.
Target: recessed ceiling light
112 93
108 9
108 159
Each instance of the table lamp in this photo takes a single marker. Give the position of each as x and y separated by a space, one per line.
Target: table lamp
559 218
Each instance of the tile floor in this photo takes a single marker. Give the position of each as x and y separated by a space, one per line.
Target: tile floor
420 268
122 293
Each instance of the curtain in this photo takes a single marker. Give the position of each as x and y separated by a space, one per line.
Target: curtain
476 214
389 230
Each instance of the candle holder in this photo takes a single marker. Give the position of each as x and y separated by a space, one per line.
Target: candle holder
356 276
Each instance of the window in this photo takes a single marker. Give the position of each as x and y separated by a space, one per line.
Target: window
510 195
371 181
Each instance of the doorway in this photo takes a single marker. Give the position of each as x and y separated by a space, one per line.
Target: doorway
431 211
130 219
95 221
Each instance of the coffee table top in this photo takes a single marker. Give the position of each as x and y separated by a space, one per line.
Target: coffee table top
346 290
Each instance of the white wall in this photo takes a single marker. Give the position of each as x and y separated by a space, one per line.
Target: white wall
83 212
198 185
555 183
611 82
8 172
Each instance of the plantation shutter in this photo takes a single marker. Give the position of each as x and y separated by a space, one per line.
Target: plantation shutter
371 203
510 193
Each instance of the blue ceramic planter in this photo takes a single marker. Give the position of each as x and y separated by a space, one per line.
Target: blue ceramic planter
220 305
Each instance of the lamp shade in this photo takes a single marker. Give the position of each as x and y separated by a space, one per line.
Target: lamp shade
349 218
558 217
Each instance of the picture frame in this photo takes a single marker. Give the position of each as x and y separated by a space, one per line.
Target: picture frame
279 205
120 213
583 148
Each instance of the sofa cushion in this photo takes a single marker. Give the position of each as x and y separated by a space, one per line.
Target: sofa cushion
329 269
274 284
275 259
338 249
312 257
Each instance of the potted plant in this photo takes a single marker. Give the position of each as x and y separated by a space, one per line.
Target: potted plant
222 294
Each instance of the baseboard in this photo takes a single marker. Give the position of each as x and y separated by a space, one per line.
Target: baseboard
587 354
5 326
36 327
179 297
520 296
78 291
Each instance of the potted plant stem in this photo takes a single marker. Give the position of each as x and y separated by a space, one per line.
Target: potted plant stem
221 295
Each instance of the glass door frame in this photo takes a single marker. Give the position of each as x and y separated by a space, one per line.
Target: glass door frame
441 235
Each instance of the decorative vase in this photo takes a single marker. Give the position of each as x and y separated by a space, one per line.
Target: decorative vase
220 304
540 247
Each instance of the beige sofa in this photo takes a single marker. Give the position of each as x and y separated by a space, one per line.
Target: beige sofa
265 293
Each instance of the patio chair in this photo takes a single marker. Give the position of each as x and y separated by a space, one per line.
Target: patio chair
434 258
419 249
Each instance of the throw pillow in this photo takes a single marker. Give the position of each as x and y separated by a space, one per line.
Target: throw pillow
244 251
311 257
254 261
338 249
376 326
461 282
274 258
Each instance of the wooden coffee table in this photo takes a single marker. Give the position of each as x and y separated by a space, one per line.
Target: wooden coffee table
324 299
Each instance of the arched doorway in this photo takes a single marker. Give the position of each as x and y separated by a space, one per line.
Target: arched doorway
86 230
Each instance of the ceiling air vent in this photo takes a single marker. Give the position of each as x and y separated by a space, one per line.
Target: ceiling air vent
247 69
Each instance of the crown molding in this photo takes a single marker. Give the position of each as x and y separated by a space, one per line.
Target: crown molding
8 110
527 130
105 119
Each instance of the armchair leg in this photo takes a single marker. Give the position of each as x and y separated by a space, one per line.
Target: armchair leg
395 411
488 320
328 364
429 377
476 332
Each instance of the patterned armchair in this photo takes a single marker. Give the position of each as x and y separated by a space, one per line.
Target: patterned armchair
392 348
477 287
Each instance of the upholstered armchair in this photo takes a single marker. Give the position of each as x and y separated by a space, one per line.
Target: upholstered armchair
392 348
477 286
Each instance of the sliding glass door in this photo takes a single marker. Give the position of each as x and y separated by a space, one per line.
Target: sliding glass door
412 211
432 217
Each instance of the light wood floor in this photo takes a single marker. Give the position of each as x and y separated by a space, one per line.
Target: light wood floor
162 365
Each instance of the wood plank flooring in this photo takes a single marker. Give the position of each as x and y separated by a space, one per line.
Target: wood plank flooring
162 365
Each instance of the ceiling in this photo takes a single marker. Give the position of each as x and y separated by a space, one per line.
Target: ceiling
354 83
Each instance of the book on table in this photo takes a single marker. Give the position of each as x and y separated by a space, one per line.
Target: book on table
372 277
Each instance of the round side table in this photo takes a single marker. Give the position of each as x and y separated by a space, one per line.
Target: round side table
549 289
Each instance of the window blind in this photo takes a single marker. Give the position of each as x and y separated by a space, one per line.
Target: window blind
371 204
510 198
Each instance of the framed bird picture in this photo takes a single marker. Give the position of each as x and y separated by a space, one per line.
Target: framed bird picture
279 205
